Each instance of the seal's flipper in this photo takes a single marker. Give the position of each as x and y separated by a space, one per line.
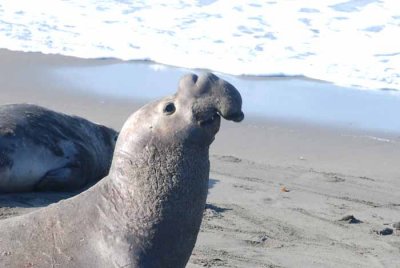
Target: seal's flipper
62 179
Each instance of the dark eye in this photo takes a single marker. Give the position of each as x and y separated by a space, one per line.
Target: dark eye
169 108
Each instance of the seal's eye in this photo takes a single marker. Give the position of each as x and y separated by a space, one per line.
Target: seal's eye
169 108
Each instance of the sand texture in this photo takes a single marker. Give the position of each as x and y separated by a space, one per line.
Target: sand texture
281 193
262 215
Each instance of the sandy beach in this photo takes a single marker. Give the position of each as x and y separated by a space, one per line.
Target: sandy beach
279 185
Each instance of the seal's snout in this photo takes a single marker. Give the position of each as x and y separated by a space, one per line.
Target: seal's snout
212 97
225 98
236 117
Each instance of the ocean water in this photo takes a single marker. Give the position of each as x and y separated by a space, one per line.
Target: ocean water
352 43
288 99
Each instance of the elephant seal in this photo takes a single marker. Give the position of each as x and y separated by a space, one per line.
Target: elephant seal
43 150
147 212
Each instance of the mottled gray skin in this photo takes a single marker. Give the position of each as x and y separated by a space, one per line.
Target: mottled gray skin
147 212
43 150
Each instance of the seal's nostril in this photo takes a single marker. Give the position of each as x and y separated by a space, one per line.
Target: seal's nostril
194 78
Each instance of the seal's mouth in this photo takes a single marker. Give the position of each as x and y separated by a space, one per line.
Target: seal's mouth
210 120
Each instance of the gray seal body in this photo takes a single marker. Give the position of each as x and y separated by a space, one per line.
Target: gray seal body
43 150
147 212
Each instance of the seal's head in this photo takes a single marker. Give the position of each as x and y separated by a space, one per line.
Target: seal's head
191 116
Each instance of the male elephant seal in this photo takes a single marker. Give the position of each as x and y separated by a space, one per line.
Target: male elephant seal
147 211
44 150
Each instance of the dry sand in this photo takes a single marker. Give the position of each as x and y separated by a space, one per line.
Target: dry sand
278 189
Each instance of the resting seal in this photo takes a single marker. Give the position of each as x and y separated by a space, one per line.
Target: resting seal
147 212
43 150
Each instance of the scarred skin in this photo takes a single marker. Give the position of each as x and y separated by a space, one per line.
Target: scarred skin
147 212
44 150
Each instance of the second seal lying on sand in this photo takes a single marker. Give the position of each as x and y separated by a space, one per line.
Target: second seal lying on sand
43 150
147 212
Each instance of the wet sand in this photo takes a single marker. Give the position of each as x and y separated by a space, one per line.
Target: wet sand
279 183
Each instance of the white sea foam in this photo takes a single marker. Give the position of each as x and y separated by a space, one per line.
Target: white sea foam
352 43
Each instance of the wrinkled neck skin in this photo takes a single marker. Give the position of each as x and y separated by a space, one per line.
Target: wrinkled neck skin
164 214
158 189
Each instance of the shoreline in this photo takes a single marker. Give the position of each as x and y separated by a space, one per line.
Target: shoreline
329 170
289 99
